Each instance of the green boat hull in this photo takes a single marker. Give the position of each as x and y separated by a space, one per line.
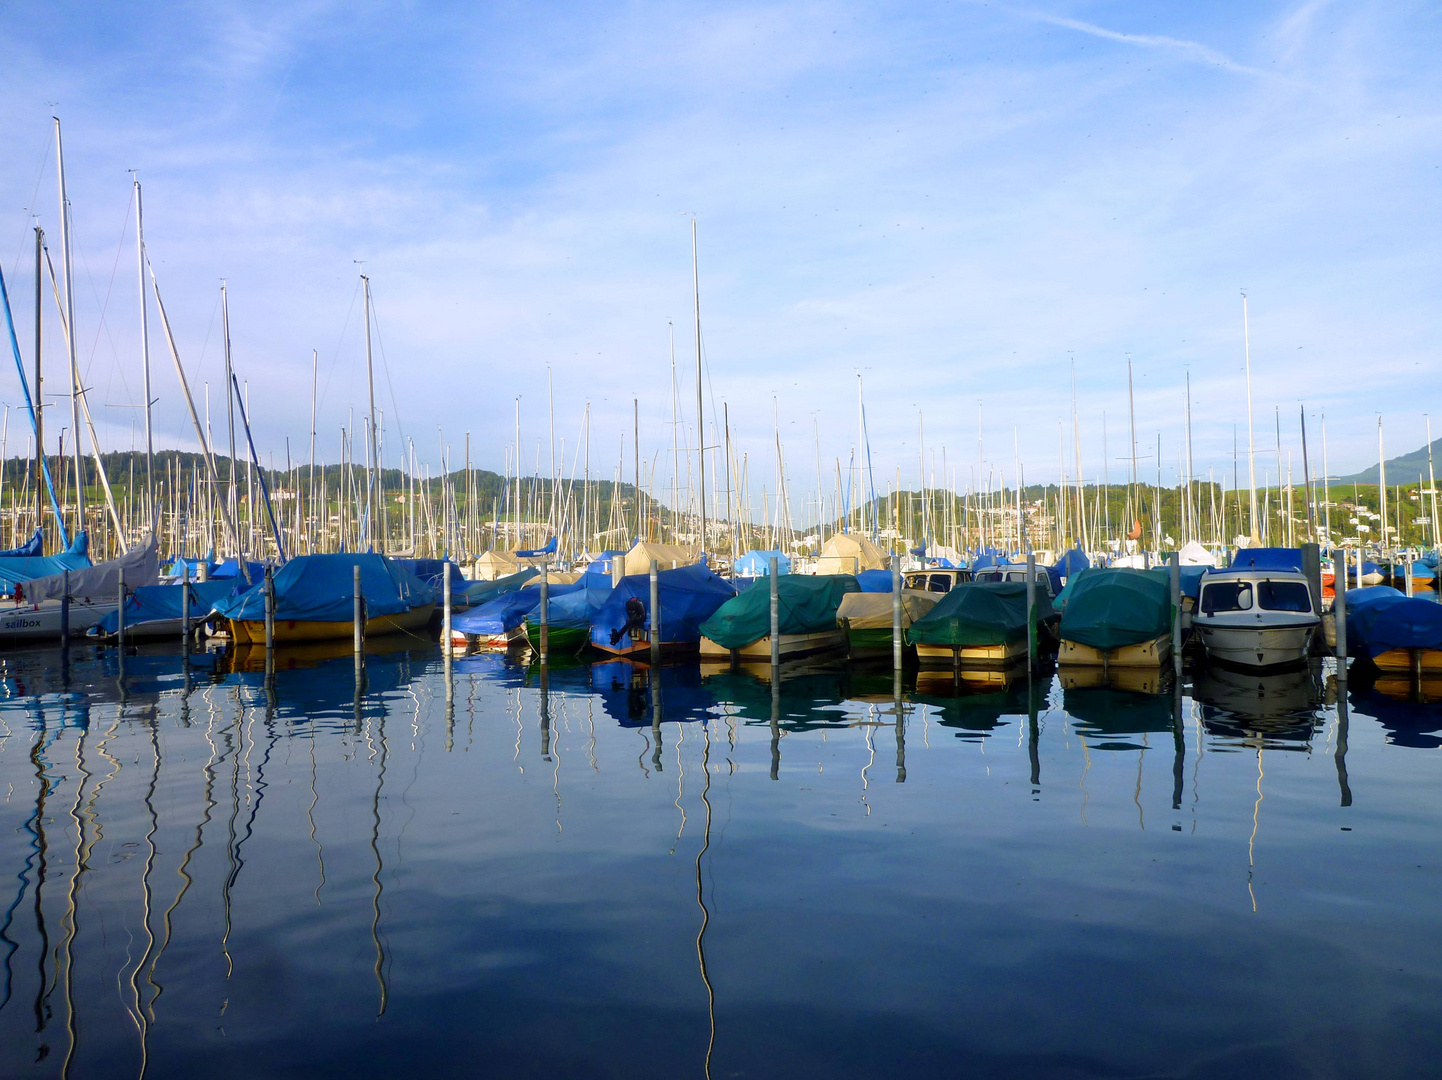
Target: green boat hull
563 638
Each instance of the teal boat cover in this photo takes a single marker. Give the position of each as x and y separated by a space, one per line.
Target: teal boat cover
980 613
319 588
689 596
1115 607
808 606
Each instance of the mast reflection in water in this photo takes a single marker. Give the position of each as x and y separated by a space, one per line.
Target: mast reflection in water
598 869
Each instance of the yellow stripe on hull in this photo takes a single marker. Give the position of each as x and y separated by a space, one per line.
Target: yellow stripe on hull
252 631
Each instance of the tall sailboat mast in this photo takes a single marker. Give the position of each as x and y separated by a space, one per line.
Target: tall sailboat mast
70 322
1432 483
1251 443
232 496
371 389
39 408
700 414
150 507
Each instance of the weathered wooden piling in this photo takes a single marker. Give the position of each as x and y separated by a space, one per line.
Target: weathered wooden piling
1175 573
896 636
775 580
655 613
545 614
185 606
269 612
1031 642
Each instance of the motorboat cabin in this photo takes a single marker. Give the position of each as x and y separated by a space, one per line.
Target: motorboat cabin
1016 572
1255 619
935 580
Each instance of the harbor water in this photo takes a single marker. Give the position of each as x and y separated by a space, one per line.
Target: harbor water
571 874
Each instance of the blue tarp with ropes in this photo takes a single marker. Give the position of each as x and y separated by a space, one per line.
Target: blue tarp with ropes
152 603
689 596
15 569
1268 559
230 568
505 613
574 610
989 557
319 588
430 571
758 564
1380 619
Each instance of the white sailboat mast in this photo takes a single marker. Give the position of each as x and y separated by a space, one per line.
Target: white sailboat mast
70 323
145 357
1251 444
700 414
371 442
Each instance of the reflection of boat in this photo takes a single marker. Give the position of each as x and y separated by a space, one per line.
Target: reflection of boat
974 713
1282 705
1106 712
1408 711
951 681
1136 680
628 692
1256 619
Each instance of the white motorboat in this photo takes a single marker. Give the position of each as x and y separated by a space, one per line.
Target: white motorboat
1255 619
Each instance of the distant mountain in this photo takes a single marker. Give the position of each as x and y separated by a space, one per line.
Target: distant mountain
1401 470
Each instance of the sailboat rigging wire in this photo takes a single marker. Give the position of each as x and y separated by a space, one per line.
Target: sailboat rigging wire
330 370
30 208
386 368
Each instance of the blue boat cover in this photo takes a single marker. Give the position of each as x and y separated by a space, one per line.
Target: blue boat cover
1191 578
990 556
1380 619
574 610
27 550
689 596
430 571
319 588
478 592
1071 562
18 568
230 568
601 563
758 563
875 580
504 613
152 603
1268 559
176 568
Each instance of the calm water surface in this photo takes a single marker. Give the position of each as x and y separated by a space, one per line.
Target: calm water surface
204 878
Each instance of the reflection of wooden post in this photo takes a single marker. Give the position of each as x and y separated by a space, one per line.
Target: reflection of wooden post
775 724
1179 744
896 640
1339 751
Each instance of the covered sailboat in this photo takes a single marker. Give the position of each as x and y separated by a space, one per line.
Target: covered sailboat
1396 632
1117 616
74 599
867 619
315 597
500 623
689 596
741 627
979 624
569 615
154 611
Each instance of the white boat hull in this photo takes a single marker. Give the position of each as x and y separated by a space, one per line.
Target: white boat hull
1258 646
23 624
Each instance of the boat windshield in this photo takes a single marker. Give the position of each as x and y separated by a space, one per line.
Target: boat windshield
1284 596
1227 596
940 583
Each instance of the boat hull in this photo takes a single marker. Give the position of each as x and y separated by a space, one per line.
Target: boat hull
971 656
793 646
1144 654
1408 661
567 639
1256 647
252 631
24 624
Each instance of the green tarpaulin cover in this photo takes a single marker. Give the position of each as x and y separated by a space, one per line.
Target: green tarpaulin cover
1115 607
980 613
808 606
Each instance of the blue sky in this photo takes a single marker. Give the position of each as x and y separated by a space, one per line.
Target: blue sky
959 201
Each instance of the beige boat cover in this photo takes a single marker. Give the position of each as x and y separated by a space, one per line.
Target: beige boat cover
848 553
555 577
872 610
669 556
1193 554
